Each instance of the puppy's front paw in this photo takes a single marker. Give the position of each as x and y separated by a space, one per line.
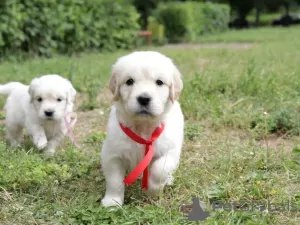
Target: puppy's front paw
14 144
49 152
41 143
151 192
155 187
109 201
170 180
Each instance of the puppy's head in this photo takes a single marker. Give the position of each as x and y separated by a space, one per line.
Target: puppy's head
52 96
145 83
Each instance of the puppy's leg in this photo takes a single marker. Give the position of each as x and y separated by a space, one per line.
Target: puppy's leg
161 173
53 143
114 173
38 135
14 134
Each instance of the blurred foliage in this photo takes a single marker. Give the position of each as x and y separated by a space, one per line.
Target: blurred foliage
74 26
187 21
157 30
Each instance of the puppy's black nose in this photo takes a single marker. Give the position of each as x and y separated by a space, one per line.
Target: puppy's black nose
143 100
49 113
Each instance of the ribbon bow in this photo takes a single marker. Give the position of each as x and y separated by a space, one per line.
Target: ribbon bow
70 125
142 167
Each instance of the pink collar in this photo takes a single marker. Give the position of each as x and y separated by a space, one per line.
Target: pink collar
70 124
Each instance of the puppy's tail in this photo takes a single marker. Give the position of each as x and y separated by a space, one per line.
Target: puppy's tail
6 89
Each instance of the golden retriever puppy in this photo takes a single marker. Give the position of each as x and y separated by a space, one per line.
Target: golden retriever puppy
41 108
145 127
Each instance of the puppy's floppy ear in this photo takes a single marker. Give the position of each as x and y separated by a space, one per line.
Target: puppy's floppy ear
32 86
176 85
114 86
71 95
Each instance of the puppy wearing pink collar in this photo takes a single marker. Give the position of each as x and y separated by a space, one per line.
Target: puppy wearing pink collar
43 108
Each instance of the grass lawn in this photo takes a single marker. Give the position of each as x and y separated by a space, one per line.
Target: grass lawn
259 35
266 19
241 106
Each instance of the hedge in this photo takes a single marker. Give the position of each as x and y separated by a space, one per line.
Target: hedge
157 30
186 21
44 27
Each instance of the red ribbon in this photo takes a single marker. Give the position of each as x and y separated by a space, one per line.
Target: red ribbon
142 167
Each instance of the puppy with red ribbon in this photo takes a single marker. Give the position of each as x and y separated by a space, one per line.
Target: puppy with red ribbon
145 127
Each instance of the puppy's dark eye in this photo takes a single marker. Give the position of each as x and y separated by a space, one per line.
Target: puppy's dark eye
159 82
130 82
39 99
59 99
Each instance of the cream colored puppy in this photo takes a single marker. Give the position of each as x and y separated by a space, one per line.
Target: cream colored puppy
146 86
40 108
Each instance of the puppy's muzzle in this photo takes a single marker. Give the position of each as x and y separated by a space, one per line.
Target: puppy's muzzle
49 113
144 100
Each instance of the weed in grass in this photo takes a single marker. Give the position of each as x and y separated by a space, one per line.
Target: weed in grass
95 138
92 89
71 75
2 115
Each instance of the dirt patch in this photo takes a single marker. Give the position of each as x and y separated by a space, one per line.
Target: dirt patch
104 97
89 122
211 45
202 63
92 120
282 142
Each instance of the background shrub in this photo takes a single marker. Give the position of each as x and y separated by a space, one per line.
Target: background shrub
158 31
11 34
52 26
186 21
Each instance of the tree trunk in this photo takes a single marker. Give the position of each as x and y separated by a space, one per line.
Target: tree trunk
257 5
257 16
145 19
287 8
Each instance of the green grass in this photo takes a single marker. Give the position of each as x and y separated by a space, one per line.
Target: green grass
241 109
259 35
265 19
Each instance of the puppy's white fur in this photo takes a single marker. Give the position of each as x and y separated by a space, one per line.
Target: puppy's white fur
120 153
26 107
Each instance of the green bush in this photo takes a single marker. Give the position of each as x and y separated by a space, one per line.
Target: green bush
44 27
11 34
186 21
